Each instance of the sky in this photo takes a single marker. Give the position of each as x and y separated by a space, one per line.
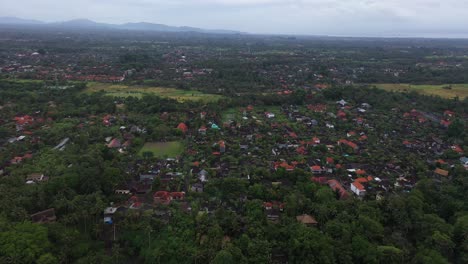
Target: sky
431 18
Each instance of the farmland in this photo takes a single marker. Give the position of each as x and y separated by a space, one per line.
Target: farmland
445 91
163 149
120 90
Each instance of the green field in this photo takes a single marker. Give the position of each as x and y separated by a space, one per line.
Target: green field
460 90
119 90
231 114
163 149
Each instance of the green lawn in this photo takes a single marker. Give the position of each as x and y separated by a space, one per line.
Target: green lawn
232 114
163 149
120 90
460 90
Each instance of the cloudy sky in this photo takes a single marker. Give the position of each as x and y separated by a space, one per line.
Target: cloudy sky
312 17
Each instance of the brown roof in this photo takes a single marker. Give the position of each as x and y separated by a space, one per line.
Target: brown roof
441 172
306 219
45 216
35 176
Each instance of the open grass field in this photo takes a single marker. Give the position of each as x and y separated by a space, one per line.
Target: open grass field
119 90
163 149
460 90
231 114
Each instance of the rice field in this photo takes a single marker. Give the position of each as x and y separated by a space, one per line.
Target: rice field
460 90
119 90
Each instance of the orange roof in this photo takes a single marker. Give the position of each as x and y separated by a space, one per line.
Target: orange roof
441 172
358 185
361 180
306 219
182 127
360 172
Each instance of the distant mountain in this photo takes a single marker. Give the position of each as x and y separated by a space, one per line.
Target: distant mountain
144 26
80 23
18 21
92 25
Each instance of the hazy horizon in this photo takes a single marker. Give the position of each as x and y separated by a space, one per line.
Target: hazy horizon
366 18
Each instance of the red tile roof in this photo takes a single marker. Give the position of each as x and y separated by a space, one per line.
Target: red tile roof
183 127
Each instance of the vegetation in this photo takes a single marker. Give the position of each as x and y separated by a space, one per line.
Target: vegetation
444 90
162 149
120 170
119 90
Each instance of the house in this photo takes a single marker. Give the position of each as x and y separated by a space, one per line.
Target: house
445 123
284 165
178 196
315 141
358 188
348 143
457 149
365 105
202 176
269 115
16 160
43 217
320 180
342 102
306 220
36 178
122 191
108 213
464 161
337 187
273 210
202 130
61 145
163 197
115 143
449 113
316 169
197 187
441 174
141 187
341 114
134 203
182 127
145 177
222 146
244 146
202 115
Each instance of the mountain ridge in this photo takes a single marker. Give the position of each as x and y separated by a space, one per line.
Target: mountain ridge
90 24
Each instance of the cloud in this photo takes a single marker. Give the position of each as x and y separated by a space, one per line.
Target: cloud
332 17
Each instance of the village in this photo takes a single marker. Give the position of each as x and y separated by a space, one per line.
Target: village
176 148
334 144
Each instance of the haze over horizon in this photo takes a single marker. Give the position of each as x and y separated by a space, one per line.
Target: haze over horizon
418 18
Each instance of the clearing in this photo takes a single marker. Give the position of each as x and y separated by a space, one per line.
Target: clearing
163 149
460 90
120 90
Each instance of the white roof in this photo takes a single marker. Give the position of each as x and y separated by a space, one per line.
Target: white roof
110 210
